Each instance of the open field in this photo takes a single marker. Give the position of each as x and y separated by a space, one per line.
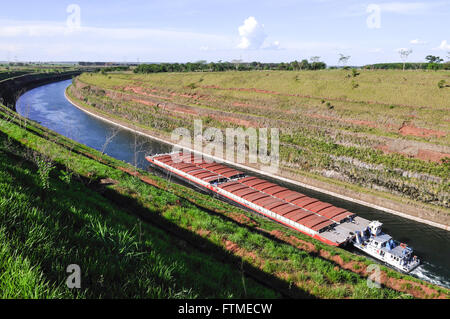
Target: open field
384 100
378 134
137 235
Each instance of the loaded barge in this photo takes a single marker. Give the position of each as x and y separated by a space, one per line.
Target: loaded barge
322 221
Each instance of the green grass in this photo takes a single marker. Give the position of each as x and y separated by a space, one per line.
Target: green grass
120 256
19 278
6 75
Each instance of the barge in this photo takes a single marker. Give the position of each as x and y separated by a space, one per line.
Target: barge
325 222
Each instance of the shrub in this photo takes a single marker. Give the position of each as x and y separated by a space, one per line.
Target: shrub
66 176
45 167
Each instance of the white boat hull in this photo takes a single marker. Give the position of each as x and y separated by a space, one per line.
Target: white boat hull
375 254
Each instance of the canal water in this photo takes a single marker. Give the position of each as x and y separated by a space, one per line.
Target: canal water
48 106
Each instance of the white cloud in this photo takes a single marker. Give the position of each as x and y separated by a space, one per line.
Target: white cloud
444 46
418 42
252 34
13 29
36 30
41 40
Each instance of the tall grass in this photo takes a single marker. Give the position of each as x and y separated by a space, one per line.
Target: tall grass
119 256
19 278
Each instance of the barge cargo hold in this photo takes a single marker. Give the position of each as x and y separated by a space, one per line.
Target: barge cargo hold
322 221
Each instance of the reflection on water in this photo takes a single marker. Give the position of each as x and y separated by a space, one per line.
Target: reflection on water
48 106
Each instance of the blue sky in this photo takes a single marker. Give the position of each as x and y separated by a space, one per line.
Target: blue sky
181 31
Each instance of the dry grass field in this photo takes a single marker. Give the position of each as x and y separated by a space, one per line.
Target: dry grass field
382 98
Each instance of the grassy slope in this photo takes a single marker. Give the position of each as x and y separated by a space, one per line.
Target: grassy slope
119 255
43 231
59 227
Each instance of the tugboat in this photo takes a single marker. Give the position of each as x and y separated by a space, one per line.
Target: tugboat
382 247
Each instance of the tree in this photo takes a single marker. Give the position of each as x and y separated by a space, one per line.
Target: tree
282 66
433 62
295 65
318 66
236 63
433 59
304 64
314 59
109 138
343 59
404 53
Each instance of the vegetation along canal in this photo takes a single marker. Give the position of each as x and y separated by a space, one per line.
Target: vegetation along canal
48 106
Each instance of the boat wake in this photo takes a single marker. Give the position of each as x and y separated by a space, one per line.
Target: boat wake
423 272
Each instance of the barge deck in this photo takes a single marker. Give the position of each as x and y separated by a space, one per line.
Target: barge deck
323 221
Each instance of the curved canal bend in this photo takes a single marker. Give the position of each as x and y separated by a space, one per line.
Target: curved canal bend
48 106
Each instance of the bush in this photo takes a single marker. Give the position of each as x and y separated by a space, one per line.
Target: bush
45 167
